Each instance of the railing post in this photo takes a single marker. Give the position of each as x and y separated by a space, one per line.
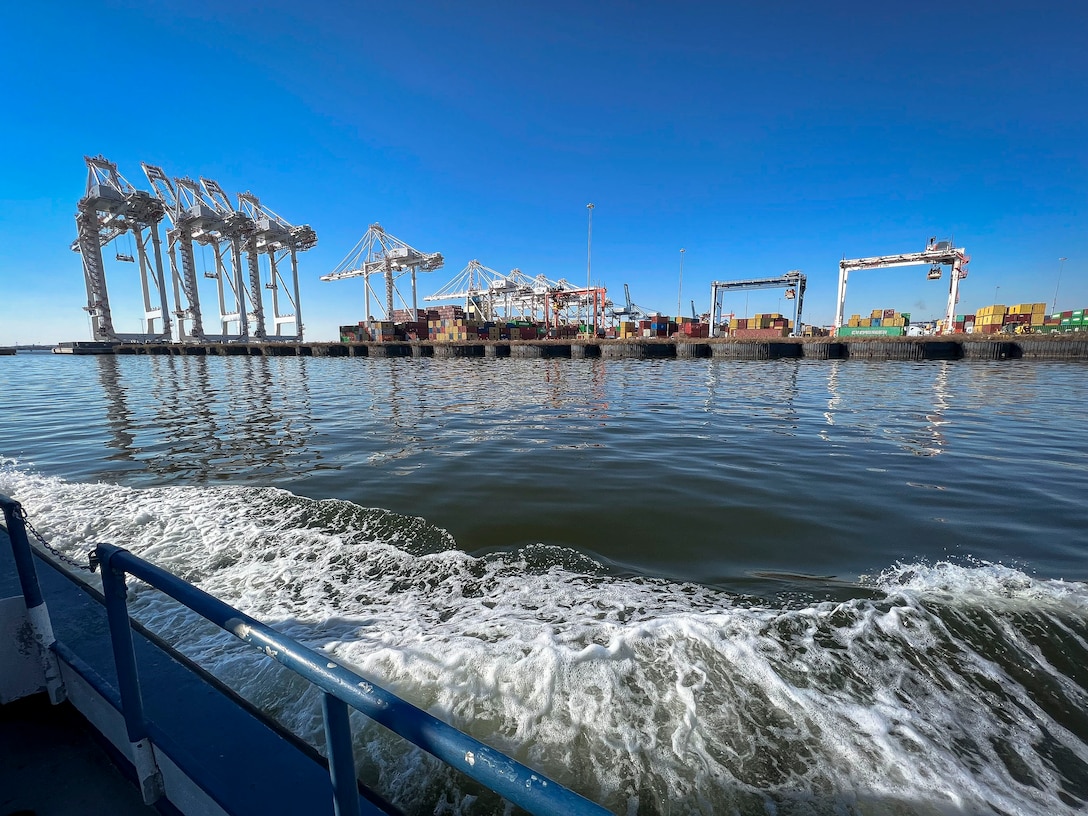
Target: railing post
36 611
128 679
345 785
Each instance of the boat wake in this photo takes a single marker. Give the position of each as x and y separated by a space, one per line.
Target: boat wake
945 688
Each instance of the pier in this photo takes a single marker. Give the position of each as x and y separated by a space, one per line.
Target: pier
939 347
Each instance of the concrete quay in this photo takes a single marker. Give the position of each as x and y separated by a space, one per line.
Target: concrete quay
956 347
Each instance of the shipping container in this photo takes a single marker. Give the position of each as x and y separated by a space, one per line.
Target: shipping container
752 334
871 331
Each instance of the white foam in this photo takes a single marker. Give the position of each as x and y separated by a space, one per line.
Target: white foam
647 695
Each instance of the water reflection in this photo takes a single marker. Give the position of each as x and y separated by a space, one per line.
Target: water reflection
942 401
196 419
910 404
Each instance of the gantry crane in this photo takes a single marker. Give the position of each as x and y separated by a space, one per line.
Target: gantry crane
186 217
279 240
477 285
630 310
936 254
110 208
565 298
793 281
378 251
234 233
511 296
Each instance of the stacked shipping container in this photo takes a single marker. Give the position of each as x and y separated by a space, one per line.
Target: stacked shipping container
770 324
879 323
994 319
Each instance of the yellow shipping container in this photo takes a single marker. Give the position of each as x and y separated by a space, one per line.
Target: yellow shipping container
1038 308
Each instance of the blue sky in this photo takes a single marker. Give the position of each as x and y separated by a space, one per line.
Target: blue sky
759 137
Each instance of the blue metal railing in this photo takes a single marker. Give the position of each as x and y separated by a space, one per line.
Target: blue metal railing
341 688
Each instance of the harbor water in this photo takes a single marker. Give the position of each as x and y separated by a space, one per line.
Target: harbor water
679 586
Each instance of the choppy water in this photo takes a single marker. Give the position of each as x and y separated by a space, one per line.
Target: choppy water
794 587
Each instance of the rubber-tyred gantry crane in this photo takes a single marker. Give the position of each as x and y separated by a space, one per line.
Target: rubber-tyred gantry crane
110 208
793 281
936 254
379 252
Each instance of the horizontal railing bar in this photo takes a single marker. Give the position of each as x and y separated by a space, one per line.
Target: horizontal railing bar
507 777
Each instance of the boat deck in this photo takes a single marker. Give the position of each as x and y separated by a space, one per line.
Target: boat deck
238 753
53 764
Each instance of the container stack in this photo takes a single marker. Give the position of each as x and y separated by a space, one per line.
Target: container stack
656 326
964 323
448 324
770 324
1026 314
353 334
383 331
879 323
626 329
521 330
691 327
1023 317
1068 321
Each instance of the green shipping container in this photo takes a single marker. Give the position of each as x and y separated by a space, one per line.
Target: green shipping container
870 331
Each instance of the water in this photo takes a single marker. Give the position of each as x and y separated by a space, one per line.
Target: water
793 587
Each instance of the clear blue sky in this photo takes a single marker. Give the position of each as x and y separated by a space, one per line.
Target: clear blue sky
759 136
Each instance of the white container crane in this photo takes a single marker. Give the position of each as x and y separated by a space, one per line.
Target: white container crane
110 208
793 282
936 254
379 252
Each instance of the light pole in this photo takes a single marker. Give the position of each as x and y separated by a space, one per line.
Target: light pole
680 292
589 261
996 288
1061 263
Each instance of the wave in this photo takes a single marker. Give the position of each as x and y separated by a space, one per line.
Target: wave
939 688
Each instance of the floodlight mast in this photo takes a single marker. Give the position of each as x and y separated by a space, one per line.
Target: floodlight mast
109 208
936 253
794 281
